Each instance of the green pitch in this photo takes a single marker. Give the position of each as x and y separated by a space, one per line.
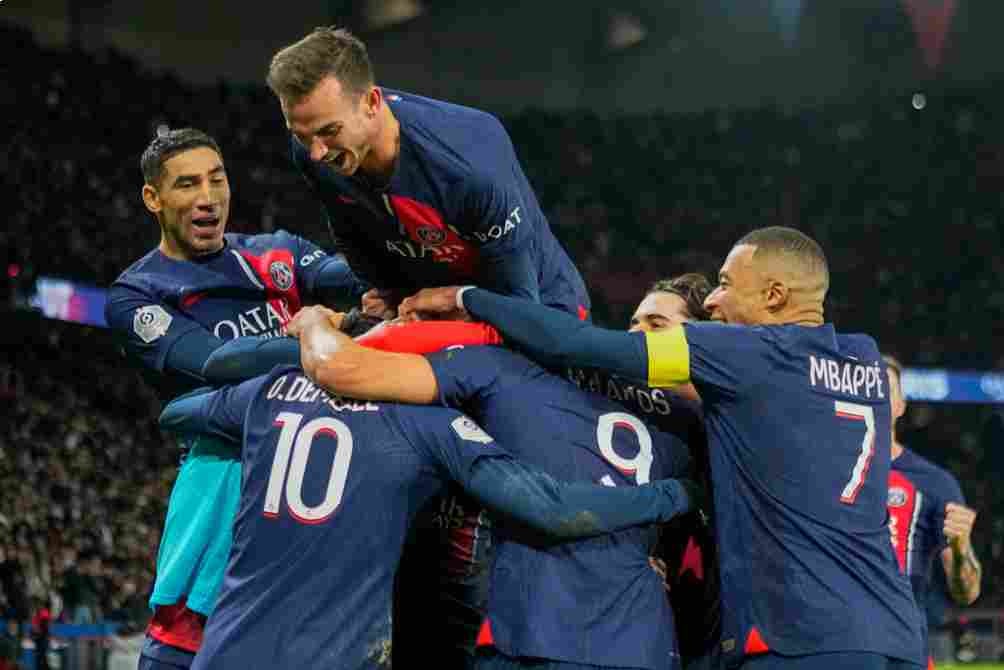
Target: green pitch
971 666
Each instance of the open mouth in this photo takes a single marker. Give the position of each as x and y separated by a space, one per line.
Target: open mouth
206 223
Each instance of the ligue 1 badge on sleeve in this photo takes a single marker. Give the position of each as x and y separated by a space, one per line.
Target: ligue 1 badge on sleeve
470 431
151 322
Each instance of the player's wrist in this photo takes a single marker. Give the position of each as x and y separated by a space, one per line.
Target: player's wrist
460 296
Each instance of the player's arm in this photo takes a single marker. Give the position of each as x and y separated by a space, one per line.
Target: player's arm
340 365
326 278
505 232
557 339
963 570
211 412
531 497
160 336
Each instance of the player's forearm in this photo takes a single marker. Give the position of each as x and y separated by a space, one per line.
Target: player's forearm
513 275
566 511
189 413
246 357
340 366
336 278
964 574
558 339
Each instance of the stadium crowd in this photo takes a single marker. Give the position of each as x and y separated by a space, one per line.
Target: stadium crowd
905 201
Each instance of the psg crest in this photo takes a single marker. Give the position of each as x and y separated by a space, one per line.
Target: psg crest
282 275
431 235
897 497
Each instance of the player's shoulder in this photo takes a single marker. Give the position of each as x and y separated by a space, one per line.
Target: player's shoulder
279 239
929 476
503 362
432 112
465 143
151 276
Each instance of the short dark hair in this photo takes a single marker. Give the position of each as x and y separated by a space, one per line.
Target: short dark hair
693 287
297 69
170 143
790 242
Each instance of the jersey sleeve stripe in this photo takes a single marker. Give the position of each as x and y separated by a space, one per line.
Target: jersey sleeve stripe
668 357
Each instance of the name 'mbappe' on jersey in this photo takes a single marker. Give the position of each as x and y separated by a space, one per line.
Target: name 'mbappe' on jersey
847 377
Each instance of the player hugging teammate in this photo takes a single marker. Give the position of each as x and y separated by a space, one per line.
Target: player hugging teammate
317 521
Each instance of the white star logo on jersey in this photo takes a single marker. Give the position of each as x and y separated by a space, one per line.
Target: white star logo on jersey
151 322
470 431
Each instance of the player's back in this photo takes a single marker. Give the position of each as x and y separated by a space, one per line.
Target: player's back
330 488
595 602
798 424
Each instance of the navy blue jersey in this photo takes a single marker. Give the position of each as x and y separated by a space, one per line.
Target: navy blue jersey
252 287
798 423
687 543
458 210
594 602
918 493
329 489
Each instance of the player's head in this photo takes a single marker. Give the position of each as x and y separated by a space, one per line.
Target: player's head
671 302
896 398
326 89
185 186
772 275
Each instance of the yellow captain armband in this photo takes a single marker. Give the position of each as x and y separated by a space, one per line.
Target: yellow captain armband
668 357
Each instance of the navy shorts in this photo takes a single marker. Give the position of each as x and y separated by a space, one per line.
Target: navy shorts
159 656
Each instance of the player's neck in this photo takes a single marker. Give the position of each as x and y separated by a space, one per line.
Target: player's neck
803 315
382 159
897 448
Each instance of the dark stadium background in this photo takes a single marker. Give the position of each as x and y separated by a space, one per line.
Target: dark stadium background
655 134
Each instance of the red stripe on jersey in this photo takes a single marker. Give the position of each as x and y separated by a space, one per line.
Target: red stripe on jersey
583 313
755 643
485 638
692 560
177 626
425 226
902 505
277 271
191 299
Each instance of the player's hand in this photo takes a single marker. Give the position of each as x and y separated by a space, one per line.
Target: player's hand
381 303
959 521
432 303
659 566
315 315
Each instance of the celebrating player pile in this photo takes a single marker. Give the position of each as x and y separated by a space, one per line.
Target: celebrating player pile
312 464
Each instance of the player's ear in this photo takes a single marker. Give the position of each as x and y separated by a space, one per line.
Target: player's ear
777 295
151 198
373 99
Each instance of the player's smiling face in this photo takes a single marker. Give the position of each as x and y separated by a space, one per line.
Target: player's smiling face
191 202
739 297
336 126
660 310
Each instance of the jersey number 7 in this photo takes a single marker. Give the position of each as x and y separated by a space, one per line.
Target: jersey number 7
291 455
855 412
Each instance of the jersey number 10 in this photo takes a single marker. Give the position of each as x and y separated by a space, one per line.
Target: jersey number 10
291 455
